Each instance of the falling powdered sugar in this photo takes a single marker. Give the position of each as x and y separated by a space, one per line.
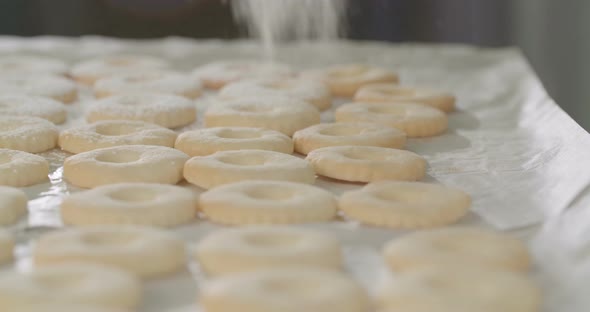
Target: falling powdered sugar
279 20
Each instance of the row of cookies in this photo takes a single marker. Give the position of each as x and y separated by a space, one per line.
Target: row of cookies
272 268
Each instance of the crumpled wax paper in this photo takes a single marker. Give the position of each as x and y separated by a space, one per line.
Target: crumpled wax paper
522 159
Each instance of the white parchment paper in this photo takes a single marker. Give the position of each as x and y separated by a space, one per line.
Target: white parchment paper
523 160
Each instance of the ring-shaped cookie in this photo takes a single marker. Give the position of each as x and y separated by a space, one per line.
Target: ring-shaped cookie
21 169
286 290
144 251
392 93
459 288
165 82
234 166
6 247
89 71
405 204
127 163
109 133
218 74
367 163
130 203
282 114
313 92
33 106
207 141
244 249
74 283
13 204
170 111
345 80
55 87
11 65
347 133
416 120
268 202
27 134
449 246
65 307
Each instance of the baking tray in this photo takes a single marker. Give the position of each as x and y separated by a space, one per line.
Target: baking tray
509 145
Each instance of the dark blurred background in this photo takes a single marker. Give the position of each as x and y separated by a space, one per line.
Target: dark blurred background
551 33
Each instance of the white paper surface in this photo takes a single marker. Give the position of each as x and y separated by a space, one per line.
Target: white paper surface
510 146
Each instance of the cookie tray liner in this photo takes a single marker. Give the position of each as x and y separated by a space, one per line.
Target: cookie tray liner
523 160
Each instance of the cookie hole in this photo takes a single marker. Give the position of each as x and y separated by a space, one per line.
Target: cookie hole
396 91
271 240
248 160
270 193
119 61
60 281
9 126
130 100
119 157
251 108
136 195
15 81
5 158
140 78
293 287
342 130
106 239
390 109
239 134
358 154
241 67
280 85
347 71
13 65
115 129
407 196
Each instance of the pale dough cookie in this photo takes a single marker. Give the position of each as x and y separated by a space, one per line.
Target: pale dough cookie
55 87
89 71
282 114
353 133
268 202
144 251
460 289
405 205
416 120
170 111
204 142
11 65
21 169
367 163
385 92
313 92
218 74
130 203
6 247
33 106
13 205
345 80
109 133
449 246
233 166
27 134
127 163
230 251
284 290
156 81
65 307
73 283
